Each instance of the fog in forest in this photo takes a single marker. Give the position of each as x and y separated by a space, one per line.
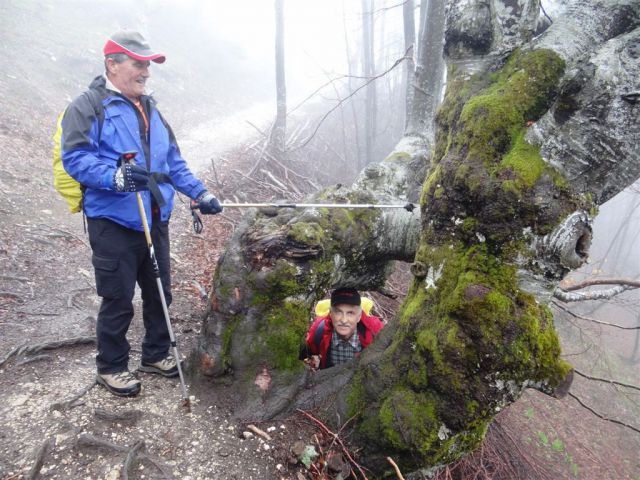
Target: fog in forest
217 89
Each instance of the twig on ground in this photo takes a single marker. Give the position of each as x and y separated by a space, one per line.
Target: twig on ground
42 452
259 432
16 296
395 467
328 431
71 401
38 314
11 277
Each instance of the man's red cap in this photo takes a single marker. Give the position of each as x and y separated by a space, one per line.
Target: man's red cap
132 44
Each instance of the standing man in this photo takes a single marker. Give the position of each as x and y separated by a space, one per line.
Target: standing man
113 117
341 335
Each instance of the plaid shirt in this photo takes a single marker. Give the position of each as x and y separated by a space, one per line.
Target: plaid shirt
342 351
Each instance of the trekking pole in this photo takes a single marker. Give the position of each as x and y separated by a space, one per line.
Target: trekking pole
198 227
409 207
128 157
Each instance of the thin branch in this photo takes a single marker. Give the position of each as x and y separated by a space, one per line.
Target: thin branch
603 417
335 107
580 317
606 380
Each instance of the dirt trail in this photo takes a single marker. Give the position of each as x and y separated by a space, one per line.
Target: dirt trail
47 293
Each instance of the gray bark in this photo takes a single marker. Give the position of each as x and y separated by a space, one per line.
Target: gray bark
278 134
438 373
429 73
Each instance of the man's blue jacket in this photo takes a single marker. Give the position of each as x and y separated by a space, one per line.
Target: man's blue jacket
95 136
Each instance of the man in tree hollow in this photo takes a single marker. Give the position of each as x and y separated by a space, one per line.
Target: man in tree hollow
113 117
340 335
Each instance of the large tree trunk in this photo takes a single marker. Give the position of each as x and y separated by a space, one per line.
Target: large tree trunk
501 222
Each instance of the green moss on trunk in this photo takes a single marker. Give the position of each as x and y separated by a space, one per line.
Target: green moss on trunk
468 339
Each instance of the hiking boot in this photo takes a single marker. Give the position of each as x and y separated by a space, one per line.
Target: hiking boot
123 384
167 367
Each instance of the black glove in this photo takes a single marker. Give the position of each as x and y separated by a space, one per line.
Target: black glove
208 204
130 178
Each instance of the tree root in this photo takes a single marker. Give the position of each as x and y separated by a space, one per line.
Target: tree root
127 466
33 359
71 402
42 452
29 350
89 441
128 416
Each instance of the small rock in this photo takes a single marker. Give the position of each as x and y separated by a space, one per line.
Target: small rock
271 429
266 446
298 448
247 435
19 401
335 462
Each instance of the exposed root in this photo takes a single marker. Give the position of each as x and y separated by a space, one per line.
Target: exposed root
128 416
42 452
30 350
89 441
72 401
127 466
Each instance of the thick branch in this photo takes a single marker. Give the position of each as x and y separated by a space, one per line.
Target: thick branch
594 295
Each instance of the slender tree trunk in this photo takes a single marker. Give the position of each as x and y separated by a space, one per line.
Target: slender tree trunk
408 16
354 111
278 134
429 72
368 66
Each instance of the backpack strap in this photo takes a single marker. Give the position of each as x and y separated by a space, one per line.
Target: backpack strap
361 329
317 335
96 102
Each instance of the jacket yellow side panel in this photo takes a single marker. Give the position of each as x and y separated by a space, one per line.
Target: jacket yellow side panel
62 181
323 306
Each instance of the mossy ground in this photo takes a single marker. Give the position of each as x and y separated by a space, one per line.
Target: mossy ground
464 347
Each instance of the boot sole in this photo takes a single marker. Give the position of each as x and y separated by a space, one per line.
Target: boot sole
116 391
150 369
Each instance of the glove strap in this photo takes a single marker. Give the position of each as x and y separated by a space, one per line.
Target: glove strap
197 222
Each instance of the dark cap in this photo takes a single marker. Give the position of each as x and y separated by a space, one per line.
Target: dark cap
349 296
132 44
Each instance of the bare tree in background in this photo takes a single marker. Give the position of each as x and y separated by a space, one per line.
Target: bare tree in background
408 16
278 133
429 69
368 66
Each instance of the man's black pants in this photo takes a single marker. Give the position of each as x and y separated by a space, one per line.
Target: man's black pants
120 259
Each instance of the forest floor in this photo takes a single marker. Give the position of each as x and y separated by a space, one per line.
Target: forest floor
47 294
